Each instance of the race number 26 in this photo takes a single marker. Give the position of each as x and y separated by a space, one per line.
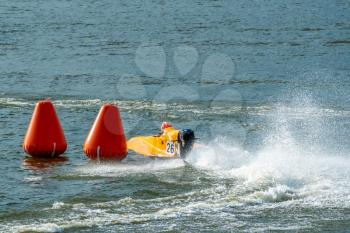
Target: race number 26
170 148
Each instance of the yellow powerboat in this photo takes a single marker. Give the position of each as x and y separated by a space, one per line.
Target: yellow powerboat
172 143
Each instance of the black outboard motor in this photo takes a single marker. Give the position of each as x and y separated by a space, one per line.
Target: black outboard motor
186 139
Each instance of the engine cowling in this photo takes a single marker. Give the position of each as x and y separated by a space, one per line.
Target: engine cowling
186 139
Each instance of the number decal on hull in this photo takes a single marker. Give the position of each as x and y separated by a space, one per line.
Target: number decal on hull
170 148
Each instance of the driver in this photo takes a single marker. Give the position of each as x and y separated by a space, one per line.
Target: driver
164 126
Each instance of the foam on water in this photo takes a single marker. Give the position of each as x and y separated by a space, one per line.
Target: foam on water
101 214
32 179
57 205
128 167
136 105
45 227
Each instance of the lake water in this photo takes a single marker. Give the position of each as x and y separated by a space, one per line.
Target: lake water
264 84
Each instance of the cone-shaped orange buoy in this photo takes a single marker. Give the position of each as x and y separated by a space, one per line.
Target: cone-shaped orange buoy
106 139
45 137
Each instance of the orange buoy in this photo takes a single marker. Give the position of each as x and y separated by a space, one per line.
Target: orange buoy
45 137
106 139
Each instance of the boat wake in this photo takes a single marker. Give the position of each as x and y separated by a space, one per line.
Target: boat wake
128 167
287 165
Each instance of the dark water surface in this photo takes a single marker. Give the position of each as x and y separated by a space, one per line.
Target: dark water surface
265 84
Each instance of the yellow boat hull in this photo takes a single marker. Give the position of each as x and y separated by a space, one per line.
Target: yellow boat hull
171 144
153 146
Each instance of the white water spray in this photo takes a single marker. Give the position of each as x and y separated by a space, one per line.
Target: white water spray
291 164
